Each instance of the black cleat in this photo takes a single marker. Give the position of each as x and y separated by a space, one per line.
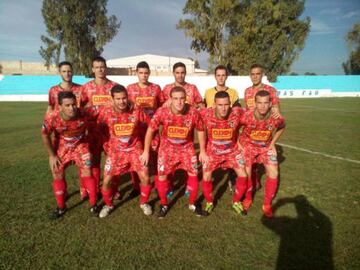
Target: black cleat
95 210
58 213
199 212
163 211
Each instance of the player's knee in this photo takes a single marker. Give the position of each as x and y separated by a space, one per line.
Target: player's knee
272 172
85 172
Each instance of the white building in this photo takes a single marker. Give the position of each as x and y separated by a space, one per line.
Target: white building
160 65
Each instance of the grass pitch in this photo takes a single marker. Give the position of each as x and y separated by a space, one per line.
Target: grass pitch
317 207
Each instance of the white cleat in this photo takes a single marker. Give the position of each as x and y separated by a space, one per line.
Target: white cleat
146 209
105 211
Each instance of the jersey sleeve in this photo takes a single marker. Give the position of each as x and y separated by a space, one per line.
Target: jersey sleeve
281 123
274 97
47 127
143 117
51 98
156 120
197 97
199 123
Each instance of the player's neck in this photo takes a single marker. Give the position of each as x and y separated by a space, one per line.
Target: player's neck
258 86
260 116
179 84
100 81
143 85
221 87
66 85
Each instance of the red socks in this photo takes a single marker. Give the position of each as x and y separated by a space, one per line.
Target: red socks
95 172
107 196
207 188
145 193
162 187
240 188
192 187
59 188
89 184
271 186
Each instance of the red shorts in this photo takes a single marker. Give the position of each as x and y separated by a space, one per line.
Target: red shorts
122 162
232 160
174 157
255 154
80 155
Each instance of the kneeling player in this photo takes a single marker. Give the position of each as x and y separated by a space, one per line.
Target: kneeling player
222 123
69 124
176 149
258 142
123 122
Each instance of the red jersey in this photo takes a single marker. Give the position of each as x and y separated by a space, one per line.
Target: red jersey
149 98
251 91
123 128
222 134
259 132
96 96
178 129
70 132
192 93
56 89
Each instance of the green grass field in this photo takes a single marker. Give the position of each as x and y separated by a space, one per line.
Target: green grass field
317 207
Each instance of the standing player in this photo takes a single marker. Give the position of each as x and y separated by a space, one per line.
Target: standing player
176 146
221 74
222 125
70 124
148 96
256 75
95 94
66 73
123 122
193 96
259 135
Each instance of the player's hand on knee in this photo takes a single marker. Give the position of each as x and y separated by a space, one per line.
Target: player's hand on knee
144 158
272 150
54 162
240 147
203 157
275 112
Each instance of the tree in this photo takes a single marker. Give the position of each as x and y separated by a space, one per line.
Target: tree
79 29
293 74
352 66
268 32
307 73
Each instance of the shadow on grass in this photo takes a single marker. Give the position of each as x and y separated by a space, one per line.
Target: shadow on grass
306 240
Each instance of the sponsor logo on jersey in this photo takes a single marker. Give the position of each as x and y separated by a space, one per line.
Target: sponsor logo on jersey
124 129
100 100
177 132
222 133
260 135
145 102
250 103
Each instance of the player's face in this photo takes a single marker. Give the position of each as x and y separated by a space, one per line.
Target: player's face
220 77
99 69
222 106
120 101
263 104
68 107
256 75
143 75
66 73
179 74
178 101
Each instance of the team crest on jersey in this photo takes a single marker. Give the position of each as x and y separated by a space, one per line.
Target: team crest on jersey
131 118
231 124
270 127
187 123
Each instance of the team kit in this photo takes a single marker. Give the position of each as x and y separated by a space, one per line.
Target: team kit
150 133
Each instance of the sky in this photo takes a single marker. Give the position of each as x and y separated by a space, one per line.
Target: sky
149 26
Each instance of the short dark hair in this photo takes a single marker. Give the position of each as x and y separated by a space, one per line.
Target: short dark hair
64 63
256 66
177 89
221 94
118 89
262 93
98 59
65 94
178 64
222 67
142 64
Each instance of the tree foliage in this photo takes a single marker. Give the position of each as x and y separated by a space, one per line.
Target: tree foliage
79 29
352 66
240 33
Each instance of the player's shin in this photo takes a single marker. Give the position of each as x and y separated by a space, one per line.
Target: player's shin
207 188
271 187
240 188
163 187
89 183
95 172
145 193
59 188
192 187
